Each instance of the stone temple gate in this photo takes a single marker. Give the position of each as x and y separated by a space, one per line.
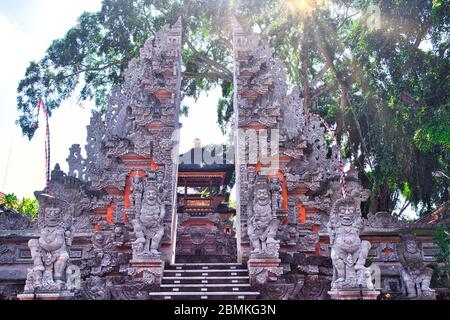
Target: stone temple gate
109 228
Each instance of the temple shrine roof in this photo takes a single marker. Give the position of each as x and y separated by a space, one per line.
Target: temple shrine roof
438 215
200 167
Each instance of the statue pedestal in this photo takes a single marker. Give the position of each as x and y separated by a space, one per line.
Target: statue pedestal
423 296
61 295
355 294
147 270
261 270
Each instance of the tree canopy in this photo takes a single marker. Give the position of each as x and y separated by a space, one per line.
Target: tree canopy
26 206
378 70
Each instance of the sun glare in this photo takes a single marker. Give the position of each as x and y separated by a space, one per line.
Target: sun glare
304 7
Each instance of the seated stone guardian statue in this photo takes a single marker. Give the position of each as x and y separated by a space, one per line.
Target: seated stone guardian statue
415 274
263 223
50 251
148 224
348 252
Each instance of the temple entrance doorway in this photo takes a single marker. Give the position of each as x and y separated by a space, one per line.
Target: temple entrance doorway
205 213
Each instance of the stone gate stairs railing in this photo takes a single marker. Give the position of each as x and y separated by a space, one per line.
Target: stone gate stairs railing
212 281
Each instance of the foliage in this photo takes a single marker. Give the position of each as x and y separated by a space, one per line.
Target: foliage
442 268
26 206
232 203
385 86
9 200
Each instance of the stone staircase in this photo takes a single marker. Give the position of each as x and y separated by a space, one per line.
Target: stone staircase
212 281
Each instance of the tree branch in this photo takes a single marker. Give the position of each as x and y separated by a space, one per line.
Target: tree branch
199 64
405 205
214 76
86 69
345 86
208 60
320 74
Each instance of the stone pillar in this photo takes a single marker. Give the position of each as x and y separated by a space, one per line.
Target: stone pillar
259 82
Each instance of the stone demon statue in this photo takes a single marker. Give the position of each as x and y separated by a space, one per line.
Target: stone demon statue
148 224
415 274
348 252
263 223
50 251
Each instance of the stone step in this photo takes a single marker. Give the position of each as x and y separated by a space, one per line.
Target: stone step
210 272
205 285
206 266
237 287
219 295
205 280
208 277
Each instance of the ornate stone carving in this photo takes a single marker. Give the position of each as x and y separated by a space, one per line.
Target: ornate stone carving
7 253
311 287
149 275
348 252
10 291
382 221
148 223
308 242
12 220
71 189
287 233
50 252
415 274
388 251
77 166
260 275
276 291
95 288
263 223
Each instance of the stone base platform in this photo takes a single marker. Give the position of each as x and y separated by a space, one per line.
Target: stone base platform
63 295
262 270
354 294
424 296
148 270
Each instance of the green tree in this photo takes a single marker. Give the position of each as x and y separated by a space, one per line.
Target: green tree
9 200
385 86
442 268
26 206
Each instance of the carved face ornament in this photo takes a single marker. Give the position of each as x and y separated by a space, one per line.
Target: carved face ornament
346 215
411 246
151 196
52 216
262 196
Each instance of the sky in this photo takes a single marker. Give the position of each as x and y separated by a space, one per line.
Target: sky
27 28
